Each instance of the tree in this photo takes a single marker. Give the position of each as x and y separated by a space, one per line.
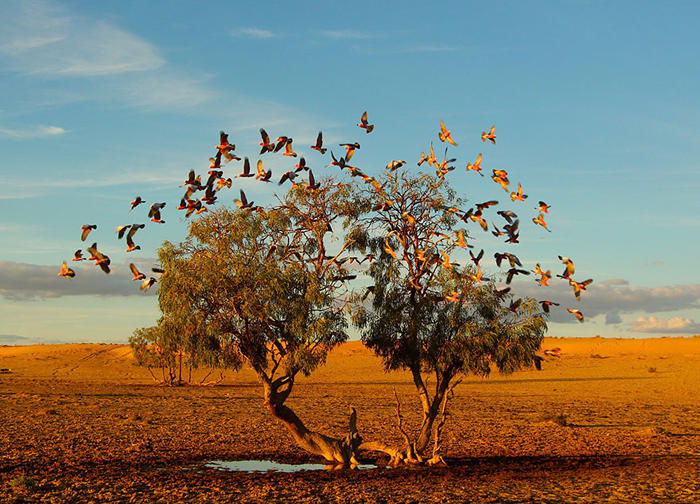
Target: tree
263 286
170 345
428 314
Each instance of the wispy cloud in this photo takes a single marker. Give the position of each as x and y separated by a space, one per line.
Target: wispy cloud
129 68
164 90
32 133
406 49
256 33
673 325
348 35
69 45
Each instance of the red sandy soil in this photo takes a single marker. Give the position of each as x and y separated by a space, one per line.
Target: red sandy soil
83 423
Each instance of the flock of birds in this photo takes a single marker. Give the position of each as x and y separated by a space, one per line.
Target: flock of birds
199 196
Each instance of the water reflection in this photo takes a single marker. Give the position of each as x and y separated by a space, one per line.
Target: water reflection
271 465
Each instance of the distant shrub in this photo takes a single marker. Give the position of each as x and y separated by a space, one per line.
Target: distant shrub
556 418
651 369
23 483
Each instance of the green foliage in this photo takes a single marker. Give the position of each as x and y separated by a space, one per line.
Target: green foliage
23 483
260 286
412 322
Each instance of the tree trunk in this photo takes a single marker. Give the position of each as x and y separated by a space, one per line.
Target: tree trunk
335 451
179 371
431 406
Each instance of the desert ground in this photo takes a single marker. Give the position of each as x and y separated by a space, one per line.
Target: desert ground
83 423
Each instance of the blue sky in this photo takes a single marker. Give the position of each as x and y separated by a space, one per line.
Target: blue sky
595 106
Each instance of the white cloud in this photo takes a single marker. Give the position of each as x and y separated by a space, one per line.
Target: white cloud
129 68
672 325
252 33
613 297
29 282
69 45
37 132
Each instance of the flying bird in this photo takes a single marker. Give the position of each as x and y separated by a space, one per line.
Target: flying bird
460 240
515 304
539 220
577 314
476 166
364 124
501 178
137 274
337 162
554 352
319 144
477 277
508 215
395 165
579 286
121 230
301 165
146 284
243 203
66 271
224 147
222 182
154 212
543 207
546 304
288 151
262 174
246 169
281 142
130 237
570 270
100 259
86 230
518 195
78 256
350 148
491 135
486 204
515 271
538 360
289 175
476 217
445 135
137 201
477 258
215 162
312 184
544 275
193 182
265 144
512 259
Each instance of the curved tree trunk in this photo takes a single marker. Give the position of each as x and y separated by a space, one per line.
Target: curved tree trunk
336 451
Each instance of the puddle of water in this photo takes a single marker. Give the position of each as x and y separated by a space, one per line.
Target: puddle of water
270 465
